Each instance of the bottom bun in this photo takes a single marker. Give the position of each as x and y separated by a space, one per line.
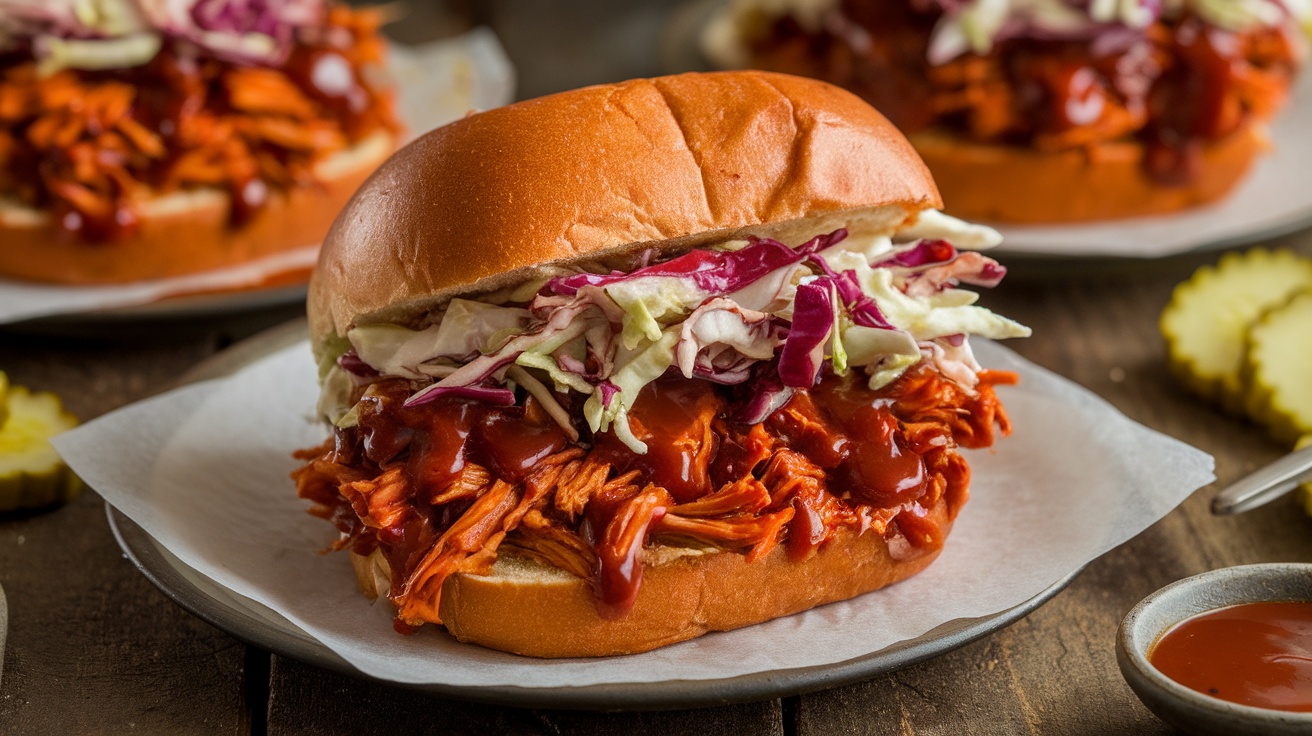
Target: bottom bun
1108 181
186 232
536 610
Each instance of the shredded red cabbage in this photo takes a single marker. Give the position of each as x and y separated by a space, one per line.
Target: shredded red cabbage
1024 23
860 307
351 362
728 367
713 272
223 27
768 394
570 364
968 268
923 253
495 395
471 374
608 390
803 351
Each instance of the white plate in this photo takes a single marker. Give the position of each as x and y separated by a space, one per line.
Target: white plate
258 624
1274 200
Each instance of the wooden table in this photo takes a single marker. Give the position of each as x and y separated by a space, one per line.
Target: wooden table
94 648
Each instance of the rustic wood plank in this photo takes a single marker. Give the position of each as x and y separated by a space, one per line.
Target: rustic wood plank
307 700
92 646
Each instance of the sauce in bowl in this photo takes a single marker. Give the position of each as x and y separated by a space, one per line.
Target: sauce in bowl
1257 654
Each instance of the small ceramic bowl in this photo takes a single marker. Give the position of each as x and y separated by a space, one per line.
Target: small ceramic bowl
1188 709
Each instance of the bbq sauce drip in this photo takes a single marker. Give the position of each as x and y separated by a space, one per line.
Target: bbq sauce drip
840 426
437 440
850 432
673 416
328 78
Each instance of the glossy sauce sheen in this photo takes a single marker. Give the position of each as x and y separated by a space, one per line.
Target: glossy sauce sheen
1257 654
839 426
853 435
171 88
673 417
448 433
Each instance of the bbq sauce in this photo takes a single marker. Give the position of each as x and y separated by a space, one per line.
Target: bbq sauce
1257 654
328 78
442 436
853 435
673 416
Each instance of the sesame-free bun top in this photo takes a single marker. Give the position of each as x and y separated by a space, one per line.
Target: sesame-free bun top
671 162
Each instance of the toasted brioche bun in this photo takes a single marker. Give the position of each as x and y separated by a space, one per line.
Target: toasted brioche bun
188 231
595 174
1109 181
536 610
666 163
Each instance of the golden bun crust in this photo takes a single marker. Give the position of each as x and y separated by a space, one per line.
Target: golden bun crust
531 609
186 232
670 162
1110 181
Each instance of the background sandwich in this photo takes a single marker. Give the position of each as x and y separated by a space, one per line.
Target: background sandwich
615 367
1048 110
143 139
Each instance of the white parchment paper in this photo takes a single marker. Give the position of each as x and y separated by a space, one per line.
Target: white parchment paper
204 469
436 83
1274 199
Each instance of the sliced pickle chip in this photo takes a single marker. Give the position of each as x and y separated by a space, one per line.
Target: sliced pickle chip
32 474
1276 368
1207 319
4 400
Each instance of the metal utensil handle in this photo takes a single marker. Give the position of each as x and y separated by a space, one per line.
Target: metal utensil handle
1266 484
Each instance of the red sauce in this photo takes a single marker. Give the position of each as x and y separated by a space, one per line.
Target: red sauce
619 568
840 426
442 436
876 466
673 417
808 529
511 445
330 79
1258 654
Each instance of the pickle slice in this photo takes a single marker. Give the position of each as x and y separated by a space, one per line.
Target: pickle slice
32 474
1208 316
1276 368
4 401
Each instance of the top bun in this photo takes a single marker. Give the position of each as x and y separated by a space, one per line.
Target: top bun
589 174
